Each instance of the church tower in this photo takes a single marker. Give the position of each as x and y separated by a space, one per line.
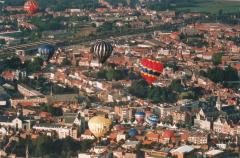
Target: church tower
218 103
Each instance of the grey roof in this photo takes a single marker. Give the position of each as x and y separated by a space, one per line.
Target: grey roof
6 118
3 94
184 149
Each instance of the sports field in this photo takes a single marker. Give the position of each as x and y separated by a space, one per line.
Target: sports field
213 6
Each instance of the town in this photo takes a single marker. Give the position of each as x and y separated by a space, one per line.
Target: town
118 80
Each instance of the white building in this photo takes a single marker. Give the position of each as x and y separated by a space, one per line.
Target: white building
62 131
15 122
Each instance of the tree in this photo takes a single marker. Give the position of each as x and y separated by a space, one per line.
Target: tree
219 75
45 146
187 95
107 26
217 58
66 62
155 94
2 42
34 65
176 86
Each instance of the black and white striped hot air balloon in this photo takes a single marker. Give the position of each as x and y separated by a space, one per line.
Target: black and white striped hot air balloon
102 50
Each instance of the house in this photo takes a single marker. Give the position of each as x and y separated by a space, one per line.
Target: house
30 101
68 119
201 121
62 131
82 155
180 117
131 144
165 109
121 136
122 154
87 135
4 97
16 122
198 138
183 152
27 91
224 126
153 137
214 153
123 112
8 75
3 132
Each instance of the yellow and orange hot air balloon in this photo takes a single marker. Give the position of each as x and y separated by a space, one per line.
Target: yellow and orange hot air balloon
99 126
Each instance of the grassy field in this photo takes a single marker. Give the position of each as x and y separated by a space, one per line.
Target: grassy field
213 6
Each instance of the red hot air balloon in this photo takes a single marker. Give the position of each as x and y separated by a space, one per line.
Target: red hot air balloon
150 69
31 6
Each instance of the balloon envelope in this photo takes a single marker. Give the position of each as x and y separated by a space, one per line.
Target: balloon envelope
150 69
152 119
139 116
102 50
132 132
31 6
46 51
99 125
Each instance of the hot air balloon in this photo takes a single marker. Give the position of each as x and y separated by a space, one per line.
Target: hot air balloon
150 69
99 125
46 52
152 120
102 50
139 116
31 6
132 132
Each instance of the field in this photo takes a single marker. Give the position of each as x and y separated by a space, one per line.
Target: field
213 6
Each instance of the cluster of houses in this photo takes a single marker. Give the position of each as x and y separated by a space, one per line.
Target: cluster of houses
187 128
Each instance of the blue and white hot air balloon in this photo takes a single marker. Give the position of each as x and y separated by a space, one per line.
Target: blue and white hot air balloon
132 132
46 52
152 120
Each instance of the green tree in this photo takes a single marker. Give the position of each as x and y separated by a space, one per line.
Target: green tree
12 63
43 145
34 65
66 62
217 58
107 26
187 95
176 86
2 42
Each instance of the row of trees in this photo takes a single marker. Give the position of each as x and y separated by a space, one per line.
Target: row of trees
193 40
170 4
45 87
55 111
15 63
168 94
236 39
45 146
219 75
131 3
118 74
59 4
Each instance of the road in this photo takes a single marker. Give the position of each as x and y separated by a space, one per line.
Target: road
11 51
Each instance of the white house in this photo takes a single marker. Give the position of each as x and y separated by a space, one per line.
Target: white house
62 131
15 122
